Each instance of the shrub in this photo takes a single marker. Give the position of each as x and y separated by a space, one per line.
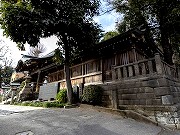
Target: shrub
92 94
52 104
61 97
40 104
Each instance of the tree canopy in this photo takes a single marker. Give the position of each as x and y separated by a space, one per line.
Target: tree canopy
160 17
26 21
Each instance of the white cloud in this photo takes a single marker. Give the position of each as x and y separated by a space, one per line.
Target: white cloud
107 21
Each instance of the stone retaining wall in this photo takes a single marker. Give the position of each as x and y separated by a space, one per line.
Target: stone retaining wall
153 90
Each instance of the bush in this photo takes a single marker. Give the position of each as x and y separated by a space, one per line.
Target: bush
92 94
61 97
52 104
40 104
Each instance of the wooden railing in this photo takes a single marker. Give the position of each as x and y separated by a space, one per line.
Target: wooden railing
142 67
145 67
169 70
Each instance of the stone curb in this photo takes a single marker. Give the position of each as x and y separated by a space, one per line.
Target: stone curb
127 114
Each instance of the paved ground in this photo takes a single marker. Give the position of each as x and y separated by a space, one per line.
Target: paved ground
15 120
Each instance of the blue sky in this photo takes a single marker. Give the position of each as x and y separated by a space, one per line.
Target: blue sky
107 21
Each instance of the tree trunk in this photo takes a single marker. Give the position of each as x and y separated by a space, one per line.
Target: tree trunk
68 83
167 48
67 69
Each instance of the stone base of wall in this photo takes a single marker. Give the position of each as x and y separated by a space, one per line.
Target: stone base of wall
166 115
159 92
155 90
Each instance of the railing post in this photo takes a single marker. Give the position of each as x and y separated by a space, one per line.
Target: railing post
150 66
159 66
124 72
136 68
130 71
113 74
119 73
143 69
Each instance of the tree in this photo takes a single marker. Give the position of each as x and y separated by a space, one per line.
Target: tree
5 61
109 35
71 21
6 73
160 16
37 50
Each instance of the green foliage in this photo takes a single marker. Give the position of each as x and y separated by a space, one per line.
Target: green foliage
70 20
53 104
61 97
6 73
92 94
41 104
109 35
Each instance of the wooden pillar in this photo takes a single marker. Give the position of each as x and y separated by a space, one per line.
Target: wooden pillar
38 78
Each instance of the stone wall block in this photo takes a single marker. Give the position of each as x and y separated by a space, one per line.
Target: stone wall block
149 102
161 91
162 82
145 95
142 90
149 90
138 84
157 102
172 89
176 100
119 96
130 91
121 102
142 102
150 83
129 96
167 100
130 102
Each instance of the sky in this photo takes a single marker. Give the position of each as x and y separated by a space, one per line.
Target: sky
107 22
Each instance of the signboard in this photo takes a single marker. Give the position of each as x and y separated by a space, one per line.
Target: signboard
48 91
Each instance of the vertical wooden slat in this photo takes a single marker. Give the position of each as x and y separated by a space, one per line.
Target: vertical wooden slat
124 72
130 71
150 67
136 68
119 73
143 69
